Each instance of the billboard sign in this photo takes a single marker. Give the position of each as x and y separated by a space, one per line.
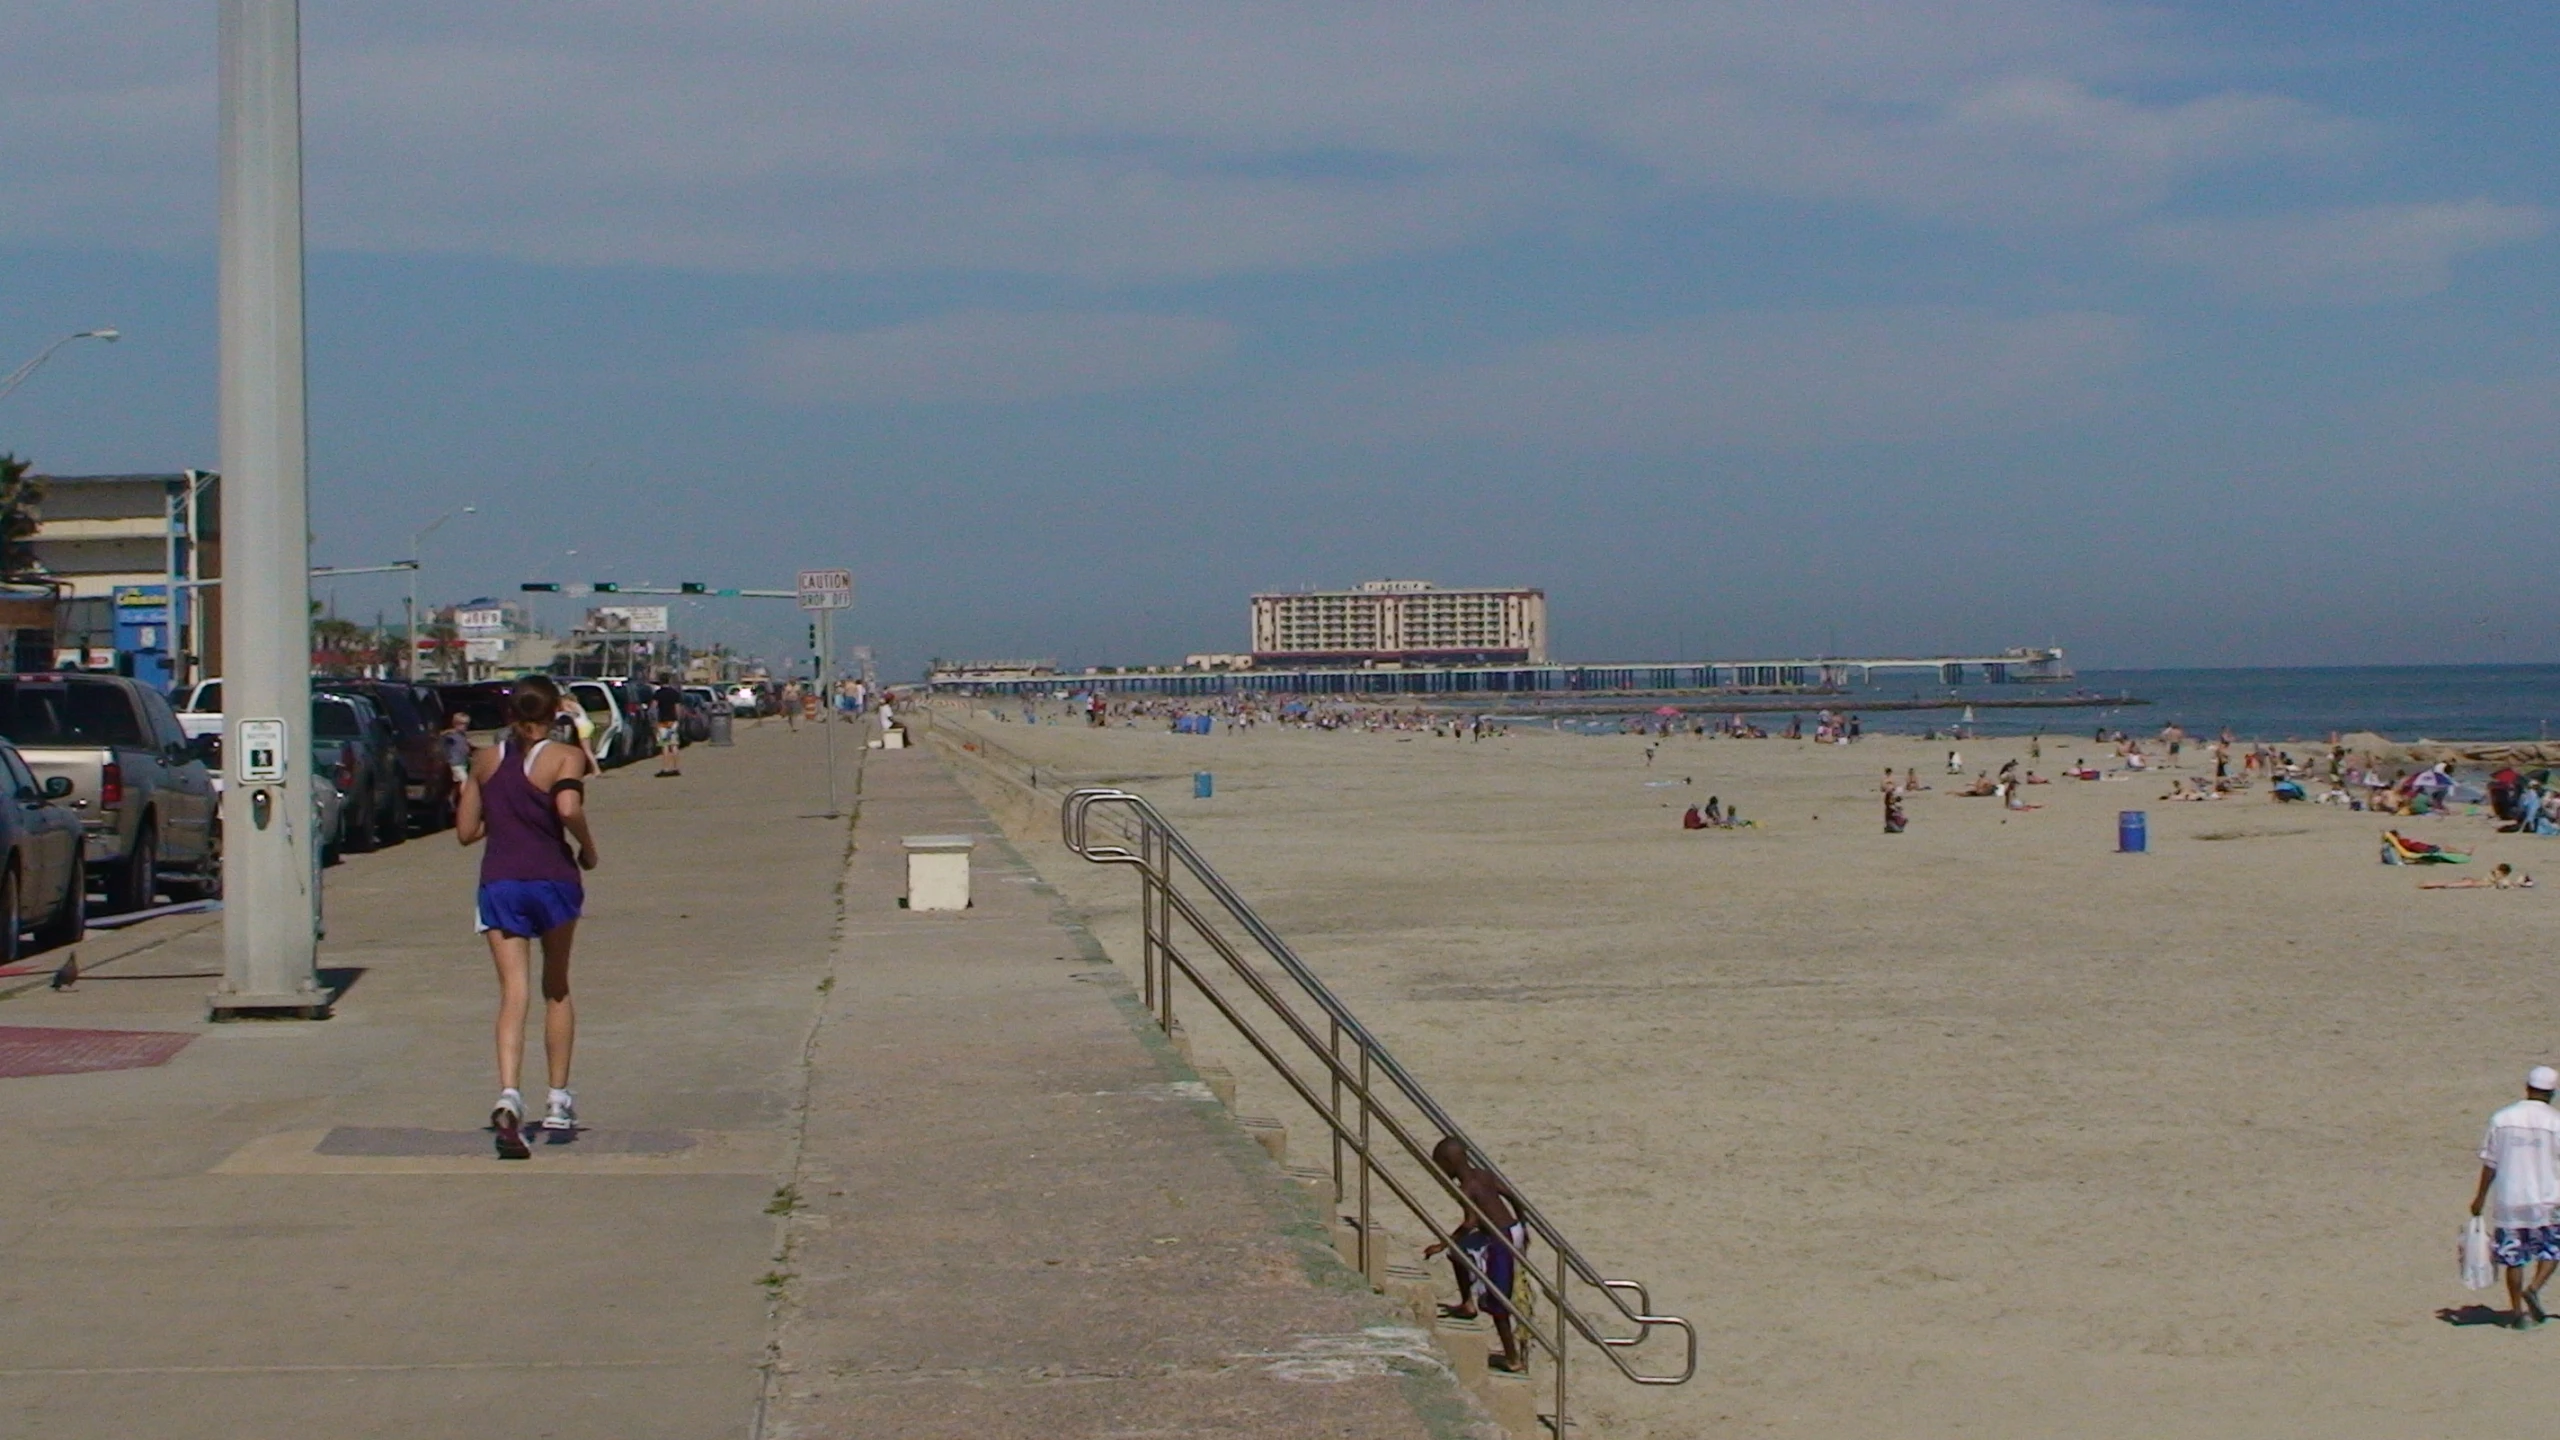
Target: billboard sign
630 619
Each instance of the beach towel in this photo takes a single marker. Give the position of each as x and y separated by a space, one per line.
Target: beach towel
2399 849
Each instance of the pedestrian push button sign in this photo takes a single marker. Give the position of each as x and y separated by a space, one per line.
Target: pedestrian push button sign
261 752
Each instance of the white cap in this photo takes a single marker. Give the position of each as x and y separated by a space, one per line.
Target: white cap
2542 1077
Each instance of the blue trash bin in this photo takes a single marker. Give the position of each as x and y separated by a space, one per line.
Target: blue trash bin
2133 833
1200 786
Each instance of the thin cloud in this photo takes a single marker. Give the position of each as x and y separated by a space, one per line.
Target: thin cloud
1118 140
1764 381
987 357
2361 255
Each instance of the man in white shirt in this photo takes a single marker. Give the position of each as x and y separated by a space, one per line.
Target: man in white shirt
2520 1172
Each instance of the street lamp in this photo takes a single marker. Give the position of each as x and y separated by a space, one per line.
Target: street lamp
19 376
415 541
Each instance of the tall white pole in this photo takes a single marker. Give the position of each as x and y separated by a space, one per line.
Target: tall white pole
827 699
270 884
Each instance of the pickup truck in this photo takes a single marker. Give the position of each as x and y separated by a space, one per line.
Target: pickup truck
200 709
141 789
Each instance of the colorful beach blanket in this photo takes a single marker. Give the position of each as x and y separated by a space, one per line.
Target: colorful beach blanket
2399 849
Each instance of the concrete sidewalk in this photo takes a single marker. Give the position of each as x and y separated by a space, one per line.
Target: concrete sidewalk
179 1258
999 1211
1021 1215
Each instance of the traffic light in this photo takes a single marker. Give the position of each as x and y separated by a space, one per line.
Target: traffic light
552 586
693 587
606 587
813 637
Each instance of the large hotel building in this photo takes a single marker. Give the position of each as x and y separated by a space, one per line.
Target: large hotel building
1401 622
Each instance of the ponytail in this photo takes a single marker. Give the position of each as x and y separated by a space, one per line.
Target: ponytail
534 705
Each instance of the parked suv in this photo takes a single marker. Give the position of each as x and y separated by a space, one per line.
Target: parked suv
616 741
485 701
143 795
352 744
415 714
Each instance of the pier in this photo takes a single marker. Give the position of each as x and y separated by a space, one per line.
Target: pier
2023 666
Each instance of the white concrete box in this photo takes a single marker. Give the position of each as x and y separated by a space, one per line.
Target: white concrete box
894 738
938 871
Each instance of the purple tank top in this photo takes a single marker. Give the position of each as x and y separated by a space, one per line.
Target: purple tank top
526 839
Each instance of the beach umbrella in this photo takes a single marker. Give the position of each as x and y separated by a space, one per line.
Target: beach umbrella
1671 710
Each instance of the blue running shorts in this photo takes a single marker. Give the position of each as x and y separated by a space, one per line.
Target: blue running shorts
529 908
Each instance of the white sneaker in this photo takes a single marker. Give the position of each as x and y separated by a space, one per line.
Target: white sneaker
563 1112
507 1118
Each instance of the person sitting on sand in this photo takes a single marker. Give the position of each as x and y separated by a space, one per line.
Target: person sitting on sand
2504 877
1691 819
1894 820
1487 1244
1713 815
1981 786
1911 780
2287 791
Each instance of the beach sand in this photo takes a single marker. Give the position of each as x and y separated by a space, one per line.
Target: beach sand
1982 1129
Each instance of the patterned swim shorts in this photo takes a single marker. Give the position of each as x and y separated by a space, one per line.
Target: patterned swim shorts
2516 1249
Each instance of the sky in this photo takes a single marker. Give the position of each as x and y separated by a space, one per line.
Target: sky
2178 334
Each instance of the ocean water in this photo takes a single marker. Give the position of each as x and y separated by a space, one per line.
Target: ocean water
2402 702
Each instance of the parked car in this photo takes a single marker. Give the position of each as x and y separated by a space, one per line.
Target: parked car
415 714
639 715
328 802
143 793
200 709
45 883
615 742
745 701
352 745
484 701
700 701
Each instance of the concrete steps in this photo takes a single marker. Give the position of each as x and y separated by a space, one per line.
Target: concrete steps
1516 1403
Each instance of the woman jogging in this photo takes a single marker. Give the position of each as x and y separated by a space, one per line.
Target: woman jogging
527 797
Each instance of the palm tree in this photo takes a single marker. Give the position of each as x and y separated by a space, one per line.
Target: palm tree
21 495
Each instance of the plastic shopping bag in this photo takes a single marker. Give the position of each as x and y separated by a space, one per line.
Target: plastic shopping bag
2479 1268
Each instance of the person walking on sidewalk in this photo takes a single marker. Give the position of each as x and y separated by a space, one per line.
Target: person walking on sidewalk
669 702
455 741
527 798
2520 1167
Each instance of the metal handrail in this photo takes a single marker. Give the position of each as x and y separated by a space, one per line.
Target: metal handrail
1148 842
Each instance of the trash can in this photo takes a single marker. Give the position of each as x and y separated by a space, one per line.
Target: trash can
938 871
2133 835
1200 786
722 722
